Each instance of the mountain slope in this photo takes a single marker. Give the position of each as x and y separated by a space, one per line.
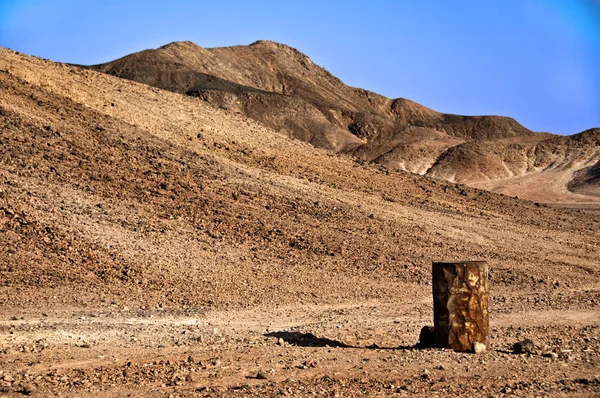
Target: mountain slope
282 88
587 181
116 192
304 100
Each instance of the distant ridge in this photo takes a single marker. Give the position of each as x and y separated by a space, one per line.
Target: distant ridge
282 88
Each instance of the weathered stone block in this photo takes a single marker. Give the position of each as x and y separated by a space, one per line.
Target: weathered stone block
460 304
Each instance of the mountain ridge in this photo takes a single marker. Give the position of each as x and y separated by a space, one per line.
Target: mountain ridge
282 88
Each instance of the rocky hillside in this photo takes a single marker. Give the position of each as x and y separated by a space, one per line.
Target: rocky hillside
283 89
114 193
587 181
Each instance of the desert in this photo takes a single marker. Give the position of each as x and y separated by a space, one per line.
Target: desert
179 235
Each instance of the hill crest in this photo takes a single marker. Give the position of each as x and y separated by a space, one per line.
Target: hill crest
283 89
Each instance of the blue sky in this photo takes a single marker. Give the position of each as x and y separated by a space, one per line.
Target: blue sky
535 60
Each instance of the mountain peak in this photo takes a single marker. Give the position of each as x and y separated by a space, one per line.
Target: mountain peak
284 48
179 44
266 43
280 87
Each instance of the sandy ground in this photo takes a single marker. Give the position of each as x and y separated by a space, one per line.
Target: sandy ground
345 350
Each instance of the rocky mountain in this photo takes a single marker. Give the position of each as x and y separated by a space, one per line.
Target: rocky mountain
283 89
105 182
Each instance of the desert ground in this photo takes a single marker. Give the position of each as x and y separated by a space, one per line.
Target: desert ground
153 244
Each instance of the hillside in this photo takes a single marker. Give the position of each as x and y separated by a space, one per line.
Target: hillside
152 242
587 181
283 89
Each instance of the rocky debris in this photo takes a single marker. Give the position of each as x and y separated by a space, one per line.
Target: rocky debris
479 348
551 355
262 375
27 388
525 346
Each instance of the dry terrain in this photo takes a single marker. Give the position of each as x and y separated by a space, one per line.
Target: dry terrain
283 89
154 244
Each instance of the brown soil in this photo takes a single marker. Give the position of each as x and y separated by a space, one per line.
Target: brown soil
140 227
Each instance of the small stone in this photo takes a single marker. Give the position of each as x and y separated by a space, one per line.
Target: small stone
479 348
261 375
8 378
441 367
427 337
524 347
280 341
28 389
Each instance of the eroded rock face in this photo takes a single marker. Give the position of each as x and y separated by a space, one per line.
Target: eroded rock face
460 304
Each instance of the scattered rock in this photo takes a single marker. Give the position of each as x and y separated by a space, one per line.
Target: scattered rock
280 341
261 375
479 348
28 389
524 347
427 337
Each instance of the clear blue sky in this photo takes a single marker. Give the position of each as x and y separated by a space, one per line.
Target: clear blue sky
535 60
